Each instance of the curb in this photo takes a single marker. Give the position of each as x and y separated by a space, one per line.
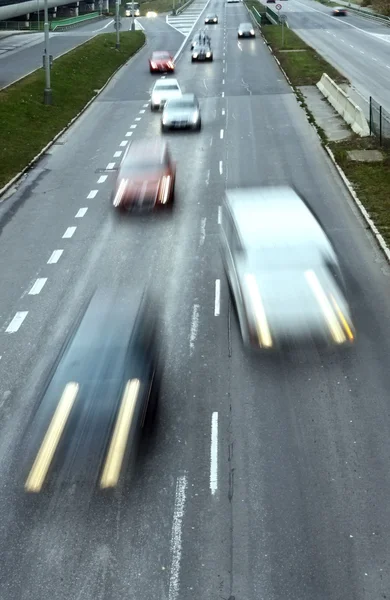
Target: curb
381 242
374 230
36 158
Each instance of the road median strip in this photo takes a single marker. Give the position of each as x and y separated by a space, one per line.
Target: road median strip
77 78
366 174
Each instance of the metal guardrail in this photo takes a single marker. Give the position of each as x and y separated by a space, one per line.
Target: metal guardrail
32 26
178 11
257 16
272 16
369 15
379 122
73 21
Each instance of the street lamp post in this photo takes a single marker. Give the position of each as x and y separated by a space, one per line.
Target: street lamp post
133 17
117 25
47 97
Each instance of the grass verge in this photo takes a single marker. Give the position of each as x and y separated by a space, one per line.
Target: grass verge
29 125
371 181
255 4
302 64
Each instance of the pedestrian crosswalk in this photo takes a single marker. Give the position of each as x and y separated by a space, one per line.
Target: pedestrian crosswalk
187 19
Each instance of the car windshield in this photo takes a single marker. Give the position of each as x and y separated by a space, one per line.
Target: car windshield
158 55
182 104
166 86
285 257
245 26
136 165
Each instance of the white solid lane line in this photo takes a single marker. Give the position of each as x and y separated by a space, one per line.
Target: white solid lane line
38 286
117 153
220 167
110 166
92 194
219 214
16 322
129 133
55 257
221 134
80 213
176 545
214 453
123 143
102 178
217 305
69 232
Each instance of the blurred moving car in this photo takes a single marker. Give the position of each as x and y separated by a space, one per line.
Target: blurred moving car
151 14
182 113
233 1
146 177
339 11
283 273
161 62
164 89
211 19
106 382
271 1
246 30
202 52
198 38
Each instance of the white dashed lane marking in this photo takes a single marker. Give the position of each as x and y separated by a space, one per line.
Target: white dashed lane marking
123 143
133 126
92 194
69 232
137 119
217 297
214 453
16 322
220 167
129 133
81 212
146 105
219 214
223 111
102 178
142 111
223 94
55 257
117 154
110 166
38 286
221 134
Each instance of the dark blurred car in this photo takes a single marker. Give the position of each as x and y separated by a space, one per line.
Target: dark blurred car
161 62
211 19
182 113
271 1
339 11
283 273
197 39
146 177
202 52
103 390
246 30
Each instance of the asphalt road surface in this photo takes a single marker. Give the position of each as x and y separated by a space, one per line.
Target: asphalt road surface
265 478
358 47
21 54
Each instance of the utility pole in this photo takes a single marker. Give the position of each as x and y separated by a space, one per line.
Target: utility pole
174 8
47 95
39 28
133 17
118 43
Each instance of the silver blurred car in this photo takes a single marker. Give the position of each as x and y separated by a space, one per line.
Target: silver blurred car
164 90
246 30
202 52
182 113
282 270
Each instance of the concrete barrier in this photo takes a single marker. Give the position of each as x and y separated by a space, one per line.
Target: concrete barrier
351 112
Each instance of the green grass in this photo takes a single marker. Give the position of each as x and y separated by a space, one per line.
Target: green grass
255 4
371 181
304 66
28 125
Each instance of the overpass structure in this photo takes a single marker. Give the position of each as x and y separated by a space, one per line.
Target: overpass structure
11 9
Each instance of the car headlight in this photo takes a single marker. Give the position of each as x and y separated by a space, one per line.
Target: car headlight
195 55
240 33
215 20
195 117
252 32
170 64
153 65
261 321
208 54
156 99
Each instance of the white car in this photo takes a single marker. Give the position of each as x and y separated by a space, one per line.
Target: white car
164 90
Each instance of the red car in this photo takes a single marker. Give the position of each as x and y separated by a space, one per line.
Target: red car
161 62
146 177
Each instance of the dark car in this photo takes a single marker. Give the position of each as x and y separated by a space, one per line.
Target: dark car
161 62
246 30
182 113
202 52
339 11
211 19
271 1
103 390
146 178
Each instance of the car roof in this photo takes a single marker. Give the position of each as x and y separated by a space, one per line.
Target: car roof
272 215
163 52
169 82
185 97
140 151
246 24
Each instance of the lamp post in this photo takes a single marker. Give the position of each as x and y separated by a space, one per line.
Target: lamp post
47 96
117 45
39 28
133 17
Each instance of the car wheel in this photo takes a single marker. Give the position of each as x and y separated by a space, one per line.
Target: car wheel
153 108
192 59
163 128
199 126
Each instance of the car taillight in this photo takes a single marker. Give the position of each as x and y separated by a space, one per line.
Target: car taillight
153 64
170 64
164 188
120 192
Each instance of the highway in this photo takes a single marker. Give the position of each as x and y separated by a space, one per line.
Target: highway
266 478
357 46
21 54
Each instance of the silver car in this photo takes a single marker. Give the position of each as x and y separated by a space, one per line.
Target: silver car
282 270
164 90
182 113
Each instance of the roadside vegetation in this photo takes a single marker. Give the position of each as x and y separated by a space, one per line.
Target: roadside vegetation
371 181
28 125
302 64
